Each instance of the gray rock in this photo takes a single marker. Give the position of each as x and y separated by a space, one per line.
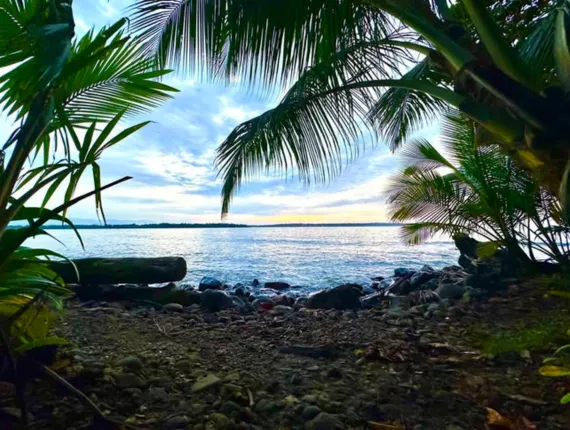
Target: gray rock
310 412
325 421
214 301
128 380
131 363
342 297
424 275
177 422
173 307
450 291
278 286
208 283
184 366
455 311
207 382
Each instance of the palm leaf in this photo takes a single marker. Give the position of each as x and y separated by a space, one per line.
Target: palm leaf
255 39
400 112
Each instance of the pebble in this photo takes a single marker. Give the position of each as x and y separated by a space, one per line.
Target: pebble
205 383
219 420
177 422
310 412
184 366
131 363
173 307
128 380
324 421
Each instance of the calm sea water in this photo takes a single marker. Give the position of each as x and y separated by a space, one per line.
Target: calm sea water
309 256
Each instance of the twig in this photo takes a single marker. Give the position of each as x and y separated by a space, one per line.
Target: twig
166 329
61 381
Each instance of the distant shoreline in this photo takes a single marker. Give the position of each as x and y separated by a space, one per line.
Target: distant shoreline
221 225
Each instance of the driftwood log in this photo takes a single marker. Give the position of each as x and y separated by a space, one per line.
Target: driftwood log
105 271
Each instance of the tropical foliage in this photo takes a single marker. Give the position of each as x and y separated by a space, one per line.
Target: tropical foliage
467 189
66 96
558 366
384 66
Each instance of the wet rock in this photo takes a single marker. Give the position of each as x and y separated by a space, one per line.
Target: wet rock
310 412
342 297
420 278
177 422
206 382
401 287
128 380
402 271
324 421
278 286
255 283
208 283
173 307
450 291
214 301
131 363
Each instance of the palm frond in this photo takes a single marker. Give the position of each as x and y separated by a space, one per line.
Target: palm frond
399 112
105 74
253 39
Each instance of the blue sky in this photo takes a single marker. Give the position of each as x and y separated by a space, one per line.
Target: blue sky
172 161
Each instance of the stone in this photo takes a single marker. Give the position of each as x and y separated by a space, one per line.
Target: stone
206 382
450 291
131 363
128 380
466 245
278 286
173 307
343 297
177 422
424 275
208 283
324 421
184 366
214 301
455 311
402 271
310 412
401 287
230 408
255 283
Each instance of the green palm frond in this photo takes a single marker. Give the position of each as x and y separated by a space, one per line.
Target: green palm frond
399 112
105 74
16 44
273 41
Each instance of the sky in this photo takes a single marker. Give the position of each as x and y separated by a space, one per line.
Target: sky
172 161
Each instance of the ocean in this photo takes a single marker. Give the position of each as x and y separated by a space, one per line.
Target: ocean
314 257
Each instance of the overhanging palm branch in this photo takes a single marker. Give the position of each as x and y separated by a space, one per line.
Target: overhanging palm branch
319 122
271 41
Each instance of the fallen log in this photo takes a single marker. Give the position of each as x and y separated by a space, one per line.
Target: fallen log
103 271
134 294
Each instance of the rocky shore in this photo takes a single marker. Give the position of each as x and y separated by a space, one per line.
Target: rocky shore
401 353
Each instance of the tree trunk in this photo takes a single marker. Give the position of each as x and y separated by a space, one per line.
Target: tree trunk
100 271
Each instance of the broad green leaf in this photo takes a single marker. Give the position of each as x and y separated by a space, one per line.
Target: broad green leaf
565 400
554 371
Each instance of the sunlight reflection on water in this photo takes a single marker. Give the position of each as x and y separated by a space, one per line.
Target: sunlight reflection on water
310 256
